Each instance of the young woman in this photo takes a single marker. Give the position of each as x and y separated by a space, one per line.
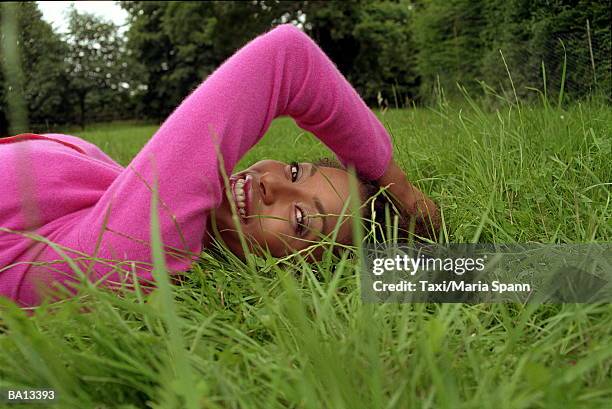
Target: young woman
69 192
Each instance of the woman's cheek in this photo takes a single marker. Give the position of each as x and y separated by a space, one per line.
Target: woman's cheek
275 234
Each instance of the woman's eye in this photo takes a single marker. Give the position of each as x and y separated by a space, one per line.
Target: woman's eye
294 170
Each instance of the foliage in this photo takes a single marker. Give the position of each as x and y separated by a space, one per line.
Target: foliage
97 70
69 76
45 80
463 41
448 38
395 52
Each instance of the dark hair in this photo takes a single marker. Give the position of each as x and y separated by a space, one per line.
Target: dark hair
380 207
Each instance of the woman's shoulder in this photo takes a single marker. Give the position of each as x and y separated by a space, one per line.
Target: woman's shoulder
82 146
56 143
78 144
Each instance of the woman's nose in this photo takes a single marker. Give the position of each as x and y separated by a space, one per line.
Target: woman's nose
272 187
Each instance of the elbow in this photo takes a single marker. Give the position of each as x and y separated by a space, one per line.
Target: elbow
288 35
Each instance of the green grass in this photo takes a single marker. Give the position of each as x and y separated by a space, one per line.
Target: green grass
287 334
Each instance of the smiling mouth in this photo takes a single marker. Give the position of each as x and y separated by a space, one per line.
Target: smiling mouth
241 192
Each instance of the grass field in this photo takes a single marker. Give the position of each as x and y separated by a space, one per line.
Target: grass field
287 334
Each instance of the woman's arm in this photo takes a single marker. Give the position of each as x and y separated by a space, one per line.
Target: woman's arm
285 73
280 73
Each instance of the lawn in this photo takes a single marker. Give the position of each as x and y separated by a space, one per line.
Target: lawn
278 334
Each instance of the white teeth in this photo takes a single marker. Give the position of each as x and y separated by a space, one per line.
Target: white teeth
240 196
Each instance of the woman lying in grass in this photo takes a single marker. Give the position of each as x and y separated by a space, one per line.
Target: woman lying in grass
71 193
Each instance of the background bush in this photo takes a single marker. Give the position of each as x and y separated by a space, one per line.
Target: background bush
395 52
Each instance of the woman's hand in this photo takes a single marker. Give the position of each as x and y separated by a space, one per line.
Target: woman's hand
415 204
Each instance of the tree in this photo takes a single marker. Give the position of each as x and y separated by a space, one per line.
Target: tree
448 35
45 81
177 44
460 41
96 65
384 68
151 50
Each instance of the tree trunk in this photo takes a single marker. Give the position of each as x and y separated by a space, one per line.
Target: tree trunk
82 110
3 125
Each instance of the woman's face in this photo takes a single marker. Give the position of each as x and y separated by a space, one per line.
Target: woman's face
285 207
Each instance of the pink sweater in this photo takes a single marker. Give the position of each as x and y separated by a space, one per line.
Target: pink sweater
82 200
